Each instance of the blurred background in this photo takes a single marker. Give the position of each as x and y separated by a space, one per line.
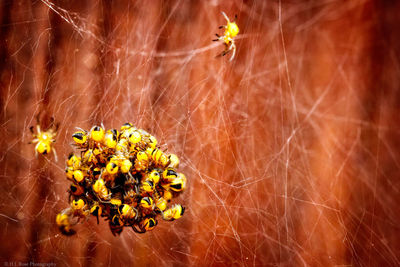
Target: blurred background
291 150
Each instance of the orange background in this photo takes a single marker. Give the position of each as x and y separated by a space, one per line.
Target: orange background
291 150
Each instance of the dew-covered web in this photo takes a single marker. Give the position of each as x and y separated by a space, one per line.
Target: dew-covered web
291 149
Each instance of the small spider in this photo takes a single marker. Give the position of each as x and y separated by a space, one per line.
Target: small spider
45 139
231 30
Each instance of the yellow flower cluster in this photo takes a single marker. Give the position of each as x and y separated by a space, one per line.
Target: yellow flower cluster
122 176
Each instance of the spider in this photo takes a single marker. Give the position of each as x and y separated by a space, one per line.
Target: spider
231 30
45 139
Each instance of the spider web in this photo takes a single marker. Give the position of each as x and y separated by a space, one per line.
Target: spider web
290 150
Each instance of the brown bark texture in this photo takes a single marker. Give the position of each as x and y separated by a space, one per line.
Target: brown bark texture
291 150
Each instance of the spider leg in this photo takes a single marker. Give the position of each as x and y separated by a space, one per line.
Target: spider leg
136 211
97 215
34 141
80 129
233 47
226 17
220 54
162 214
137 189
227 49
131 179
36 147
138 231
219 37
225 52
